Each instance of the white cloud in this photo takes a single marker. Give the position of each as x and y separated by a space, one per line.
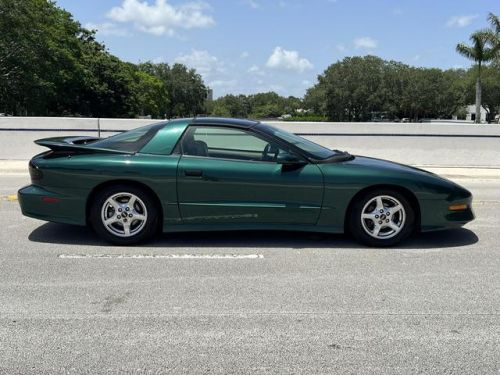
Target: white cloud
341 47
204 63
107 28
255 70
253 4
461 21
273 87
159 60
161 18
365 43
244 55
224 84
289 60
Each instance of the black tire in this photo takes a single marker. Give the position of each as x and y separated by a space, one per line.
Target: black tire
144 231
357 228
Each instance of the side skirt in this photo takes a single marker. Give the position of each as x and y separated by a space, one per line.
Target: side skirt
170 228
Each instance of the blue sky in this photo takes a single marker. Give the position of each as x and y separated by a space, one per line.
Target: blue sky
248 46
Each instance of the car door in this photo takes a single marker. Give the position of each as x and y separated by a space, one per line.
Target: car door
232 175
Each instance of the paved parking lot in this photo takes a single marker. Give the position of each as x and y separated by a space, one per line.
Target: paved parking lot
249 302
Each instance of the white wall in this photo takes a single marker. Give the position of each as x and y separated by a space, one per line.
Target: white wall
91 124
445 144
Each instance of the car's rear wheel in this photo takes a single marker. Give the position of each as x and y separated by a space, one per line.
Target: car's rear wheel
124 215
381 218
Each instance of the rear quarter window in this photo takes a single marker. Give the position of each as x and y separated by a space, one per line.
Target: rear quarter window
131 141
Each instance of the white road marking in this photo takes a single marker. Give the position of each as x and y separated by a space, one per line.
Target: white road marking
160 256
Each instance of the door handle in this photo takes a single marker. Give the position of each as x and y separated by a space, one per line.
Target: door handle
193 173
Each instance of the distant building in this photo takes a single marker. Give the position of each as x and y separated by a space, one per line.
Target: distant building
210 95
471 113
302 111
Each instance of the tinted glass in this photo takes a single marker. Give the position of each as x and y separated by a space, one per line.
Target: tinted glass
227 143
313 149
131 141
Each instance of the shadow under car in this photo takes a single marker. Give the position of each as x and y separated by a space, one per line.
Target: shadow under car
79 235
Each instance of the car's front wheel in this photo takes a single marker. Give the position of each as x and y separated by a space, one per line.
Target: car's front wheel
124 215
381 218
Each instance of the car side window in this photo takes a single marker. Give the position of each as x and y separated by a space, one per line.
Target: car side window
228 143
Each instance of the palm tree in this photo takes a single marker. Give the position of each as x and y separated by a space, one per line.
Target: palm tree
480 52
494 34
495 23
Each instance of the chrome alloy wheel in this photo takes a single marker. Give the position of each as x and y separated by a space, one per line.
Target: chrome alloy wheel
383 217
124 214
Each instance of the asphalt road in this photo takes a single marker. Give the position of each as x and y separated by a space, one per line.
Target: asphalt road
310 304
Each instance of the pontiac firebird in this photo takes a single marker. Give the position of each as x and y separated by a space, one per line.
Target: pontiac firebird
225 174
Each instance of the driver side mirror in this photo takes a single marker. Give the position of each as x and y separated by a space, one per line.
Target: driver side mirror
287 159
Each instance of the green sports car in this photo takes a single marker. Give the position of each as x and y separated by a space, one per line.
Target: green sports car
224 174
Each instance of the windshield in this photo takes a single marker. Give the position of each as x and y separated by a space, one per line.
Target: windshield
132 140
316 151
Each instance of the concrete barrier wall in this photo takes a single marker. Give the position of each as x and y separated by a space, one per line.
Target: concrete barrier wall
370 128
442 144
65 123
106 125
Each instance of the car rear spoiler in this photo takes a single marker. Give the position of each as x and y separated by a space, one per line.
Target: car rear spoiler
76 144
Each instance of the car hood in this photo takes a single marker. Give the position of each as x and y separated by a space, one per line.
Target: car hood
366 171
386 165
379 171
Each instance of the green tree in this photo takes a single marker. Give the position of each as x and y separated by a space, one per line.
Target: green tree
266 105
260 105
292 104
431 93
108 83
480 52
265 111
364 88
494 34
40 51
351 89
185 88
50 65
314 100
233 106
220 109
490 82
150 93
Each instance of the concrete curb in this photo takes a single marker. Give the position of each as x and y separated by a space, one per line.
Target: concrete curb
464 172
13 167
20 168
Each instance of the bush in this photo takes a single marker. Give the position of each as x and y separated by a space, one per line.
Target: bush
308 117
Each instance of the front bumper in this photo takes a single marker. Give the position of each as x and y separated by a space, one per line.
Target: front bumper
435 214
40 203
